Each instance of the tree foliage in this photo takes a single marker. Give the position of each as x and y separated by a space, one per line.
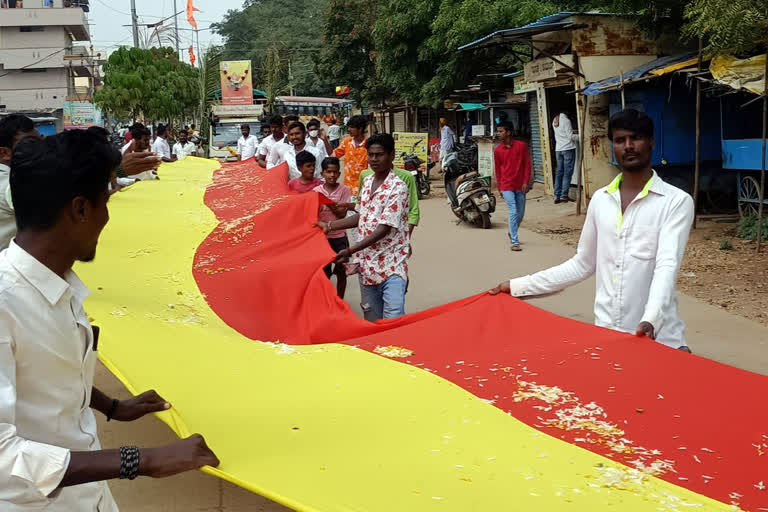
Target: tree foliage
150 82
728 25
348 50
294 29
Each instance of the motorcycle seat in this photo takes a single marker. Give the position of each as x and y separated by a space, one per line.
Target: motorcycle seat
467 176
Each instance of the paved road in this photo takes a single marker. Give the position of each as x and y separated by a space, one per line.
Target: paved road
449 262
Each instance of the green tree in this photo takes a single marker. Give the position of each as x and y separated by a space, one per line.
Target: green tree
348 52
293 28
462 21
735 26
152 83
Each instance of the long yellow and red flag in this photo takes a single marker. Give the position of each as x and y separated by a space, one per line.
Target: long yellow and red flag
483 404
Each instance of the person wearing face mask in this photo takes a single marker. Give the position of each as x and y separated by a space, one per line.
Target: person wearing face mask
633 241
297 142
317 139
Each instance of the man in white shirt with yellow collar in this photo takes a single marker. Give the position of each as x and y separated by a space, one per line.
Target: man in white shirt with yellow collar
633 239
13 129
51 458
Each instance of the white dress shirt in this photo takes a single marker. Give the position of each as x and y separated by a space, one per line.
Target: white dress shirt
334 132
47 361
319 146
635 255
7 214
564 138
246 147
266 145
184 150
161 148
280 153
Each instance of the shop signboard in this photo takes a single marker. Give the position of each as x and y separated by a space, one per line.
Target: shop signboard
81 115
410 143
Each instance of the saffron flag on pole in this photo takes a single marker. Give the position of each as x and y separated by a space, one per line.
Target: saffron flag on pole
191 14
444 409
191 56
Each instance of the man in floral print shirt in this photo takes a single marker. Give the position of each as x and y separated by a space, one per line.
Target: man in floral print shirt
382 228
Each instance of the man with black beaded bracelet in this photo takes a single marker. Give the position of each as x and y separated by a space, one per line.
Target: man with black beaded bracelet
50 456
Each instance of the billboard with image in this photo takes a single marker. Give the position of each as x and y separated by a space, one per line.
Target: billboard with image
236 84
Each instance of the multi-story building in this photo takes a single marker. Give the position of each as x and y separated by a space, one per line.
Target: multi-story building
44 51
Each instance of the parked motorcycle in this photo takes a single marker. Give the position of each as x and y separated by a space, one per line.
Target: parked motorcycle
470 196
412 163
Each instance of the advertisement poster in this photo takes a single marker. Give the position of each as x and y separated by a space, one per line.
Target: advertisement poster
410 143
81 115
236 85
485 158
434 149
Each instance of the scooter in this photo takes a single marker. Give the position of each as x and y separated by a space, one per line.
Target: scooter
412 163
470 196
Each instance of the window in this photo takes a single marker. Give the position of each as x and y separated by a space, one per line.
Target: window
34 70
33 28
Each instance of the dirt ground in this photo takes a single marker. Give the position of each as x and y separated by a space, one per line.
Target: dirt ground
735 280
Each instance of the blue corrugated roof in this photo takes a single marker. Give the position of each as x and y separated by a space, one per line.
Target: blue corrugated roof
553 21
638 73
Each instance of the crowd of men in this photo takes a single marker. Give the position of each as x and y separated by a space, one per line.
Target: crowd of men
53 207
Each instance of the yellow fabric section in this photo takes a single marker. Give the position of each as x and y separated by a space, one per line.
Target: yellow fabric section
674 67
613 187
740 73
320 428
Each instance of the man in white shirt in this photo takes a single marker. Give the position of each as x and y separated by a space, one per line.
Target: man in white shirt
13 129
633 239
184 148
334 135
276 125
317 139
247 143
447 140
51 458
297 142
138 145
160 146
565 151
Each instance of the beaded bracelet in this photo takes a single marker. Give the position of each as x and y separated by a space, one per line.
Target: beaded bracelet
129 462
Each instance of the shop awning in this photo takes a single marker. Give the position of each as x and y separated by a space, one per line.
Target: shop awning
740 73
658 67
515 34
472 106
551 23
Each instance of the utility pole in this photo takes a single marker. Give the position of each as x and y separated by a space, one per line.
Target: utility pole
290 77
176 29
135 24
197 38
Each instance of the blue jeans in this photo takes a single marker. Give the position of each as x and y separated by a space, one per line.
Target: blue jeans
565 161
385 300
515 200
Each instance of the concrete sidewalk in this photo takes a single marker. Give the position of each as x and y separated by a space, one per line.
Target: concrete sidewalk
450 262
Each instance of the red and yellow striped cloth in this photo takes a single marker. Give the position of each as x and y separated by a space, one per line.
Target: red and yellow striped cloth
483 404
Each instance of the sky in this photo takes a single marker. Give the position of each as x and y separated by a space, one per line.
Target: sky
107 18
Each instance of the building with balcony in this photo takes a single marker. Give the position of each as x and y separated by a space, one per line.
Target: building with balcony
45 58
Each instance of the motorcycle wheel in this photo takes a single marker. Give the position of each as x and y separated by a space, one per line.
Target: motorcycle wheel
424 188
486 220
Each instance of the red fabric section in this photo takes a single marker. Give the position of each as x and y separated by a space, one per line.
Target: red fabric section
703 424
